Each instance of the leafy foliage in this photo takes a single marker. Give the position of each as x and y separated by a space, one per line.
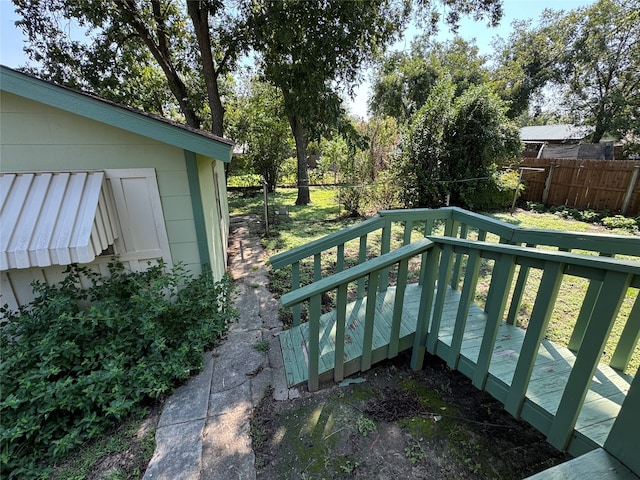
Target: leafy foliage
258 122
405 80
77 359
453 147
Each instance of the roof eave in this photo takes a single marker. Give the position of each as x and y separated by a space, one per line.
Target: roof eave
110 114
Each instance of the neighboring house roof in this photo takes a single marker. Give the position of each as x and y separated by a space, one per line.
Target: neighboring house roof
56 218
548 133
132 120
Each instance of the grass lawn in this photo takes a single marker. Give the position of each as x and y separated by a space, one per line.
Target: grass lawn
323 216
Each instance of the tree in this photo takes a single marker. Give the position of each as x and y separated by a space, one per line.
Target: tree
294 55
528 61
602 67
453 147
591 55
402 85
110 48
405 80
258 123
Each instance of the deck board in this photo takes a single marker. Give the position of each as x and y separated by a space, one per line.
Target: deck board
550 371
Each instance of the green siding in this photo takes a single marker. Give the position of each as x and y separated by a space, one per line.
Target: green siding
110 114
196 206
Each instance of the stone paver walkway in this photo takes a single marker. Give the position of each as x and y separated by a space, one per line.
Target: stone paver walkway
203 432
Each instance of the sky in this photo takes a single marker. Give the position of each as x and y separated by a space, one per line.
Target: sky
12 40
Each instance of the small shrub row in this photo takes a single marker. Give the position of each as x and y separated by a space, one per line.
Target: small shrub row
76 360
590 216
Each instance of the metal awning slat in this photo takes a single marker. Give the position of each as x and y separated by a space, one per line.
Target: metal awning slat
53 218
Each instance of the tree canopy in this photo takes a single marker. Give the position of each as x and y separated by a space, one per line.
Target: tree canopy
405 80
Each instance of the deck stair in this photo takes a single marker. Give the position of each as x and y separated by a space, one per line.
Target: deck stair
579 403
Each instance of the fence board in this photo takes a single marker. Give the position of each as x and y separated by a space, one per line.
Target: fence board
585 184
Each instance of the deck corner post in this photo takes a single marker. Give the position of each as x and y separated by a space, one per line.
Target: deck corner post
427 292
622 441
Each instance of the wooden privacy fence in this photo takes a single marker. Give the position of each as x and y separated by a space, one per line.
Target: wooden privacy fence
599 185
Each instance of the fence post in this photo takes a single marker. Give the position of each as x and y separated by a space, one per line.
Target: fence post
547 183
629 192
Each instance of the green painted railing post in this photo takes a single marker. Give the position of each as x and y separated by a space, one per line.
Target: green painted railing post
628 339
536 330
457 267
385 247
427 293
499 290
340 258
408 230
398 304
466 299
614 288
518 292
341 318
428 230
295 284
593 292
317 267
362 257
367 341
622 441
314 342
444 271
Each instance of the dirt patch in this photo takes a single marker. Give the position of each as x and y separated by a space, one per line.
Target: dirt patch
396 423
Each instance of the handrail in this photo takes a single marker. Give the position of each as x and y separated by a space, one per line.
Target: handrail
332 240
346 276
576 263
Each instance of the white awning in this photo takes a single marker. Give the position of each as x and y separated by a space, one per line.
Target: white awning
53 218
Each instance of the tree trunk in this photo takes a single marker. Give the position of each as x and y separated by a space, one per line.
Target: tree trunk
200 18
161 53
300 137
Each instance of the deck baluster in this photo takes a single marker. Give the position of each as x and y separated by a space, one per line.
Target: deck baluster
385 247
499 290
628 339
367 341
340 258
444 271
428 230
614 288
518 292
466 299
295 284
398 304
457 267
540 316
341 318
315 305
362 257
586 310
424 330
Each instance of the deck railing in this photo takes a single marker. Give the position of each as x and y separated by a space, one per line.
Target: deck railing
406 226
453 260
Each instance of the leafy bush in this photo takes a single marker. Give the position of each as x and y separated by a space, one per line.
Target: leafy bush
76 360
619 221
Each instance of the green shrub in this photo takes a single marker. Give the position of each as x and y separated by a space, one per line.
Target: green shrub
619 221
76 360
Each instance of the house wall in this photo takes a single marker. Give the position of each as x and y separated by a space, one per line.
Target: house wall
36 137
215 211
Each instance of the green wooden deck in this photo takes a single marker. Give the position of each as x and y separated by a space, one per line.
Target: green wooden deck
550 374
